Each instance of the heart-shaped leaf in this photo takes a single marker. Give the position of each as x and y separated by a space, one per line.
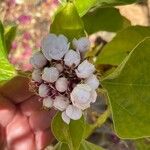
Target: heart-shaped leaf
129 93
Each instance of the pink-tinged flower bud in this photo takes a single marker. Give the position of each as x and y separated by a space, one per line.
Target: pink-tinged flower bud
82 95
61 84
48 102
85 69
65 118
59 67
72 58
43 90
54 47
37 75
82 44
92 81
73 112
38 60
60 103
50 74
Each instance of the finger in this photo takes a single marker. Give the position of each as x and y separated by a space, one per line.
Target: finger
7 111
31 105
17 89
41 120
19 134
2 137
43 139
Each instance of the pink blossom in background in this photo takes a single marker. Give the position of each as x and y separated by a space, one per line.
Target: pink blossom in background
26 36
24 19
14 45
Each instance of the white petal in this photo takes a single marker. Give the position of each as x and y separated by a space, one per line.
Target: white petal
61 84
92 81
73 112
55 47
82 44
65 118
72 58
38 60
61 103
48 102
93 96
85 69
43 90
37 75
50 74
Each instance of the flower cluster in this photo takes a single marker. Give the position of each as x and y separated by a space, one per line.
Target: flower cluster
63 78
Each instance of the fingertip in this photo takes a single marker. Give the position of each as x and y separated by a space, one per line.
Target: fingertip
7 111
41 120
31 105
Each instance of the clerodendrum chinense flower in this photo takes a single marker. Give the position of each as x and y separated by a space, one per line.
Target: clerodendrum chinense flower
62 77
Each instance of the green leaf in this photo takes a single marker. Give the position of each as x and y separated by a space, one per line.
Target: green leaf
2 42
116 50
101 20
7 71
71 134
10 34
85 145
61 146
68 22
128 89
83 6
142 144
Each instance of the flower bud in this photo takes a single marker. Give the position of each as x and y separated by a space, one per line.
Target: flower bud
59 67
72 58
85 69
43 90
73 112
61 84
65 118
54 47
38 60
82 95
82 44
61 103
50 74
92 81
37 75
48 102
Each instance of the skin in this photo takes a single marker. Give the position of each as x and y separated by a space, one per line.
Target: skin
23 123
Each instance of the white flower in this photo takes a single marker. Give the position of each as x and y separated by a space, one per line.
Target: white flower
61 84
82 95
50 74
92 81
85 69
60 103
48 102
73 112
65 118
82 44
72 58
54 47
43 90
38 60
37 75
59 67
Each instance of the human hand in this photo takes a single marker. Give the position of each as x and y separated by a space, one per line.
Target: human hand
23 124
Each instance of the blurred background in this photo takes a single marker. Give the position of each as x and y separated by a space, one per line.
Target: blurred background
33 18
